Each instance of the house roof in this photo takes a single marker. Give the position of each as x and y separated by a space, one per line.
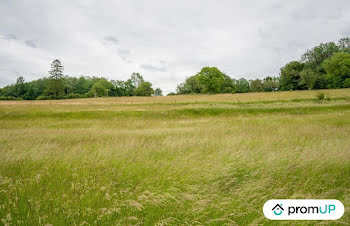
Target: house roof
278 205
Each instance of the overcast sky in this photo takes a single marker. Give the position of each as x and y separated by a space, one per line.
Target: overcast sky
166 41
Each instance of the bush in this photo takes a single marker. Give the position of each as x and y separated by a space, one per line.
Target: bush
10 98
73 96
346 83
43 97
320 96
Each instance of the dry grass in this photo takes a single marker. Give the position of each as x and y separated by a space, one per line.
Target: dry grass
231 98
104 161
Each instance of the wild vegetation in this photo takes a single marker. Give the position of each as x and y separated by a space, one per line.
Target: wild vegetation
185 159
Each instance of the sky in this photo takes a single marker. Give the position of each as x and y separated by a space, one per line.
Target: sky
166 41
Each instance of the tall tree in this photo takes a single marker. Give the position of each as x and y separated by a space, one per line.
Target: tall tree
256 85
136 79
344 45
56 85
189 86
270 84
308 79
338 70
144 89
290 76
211 79
314 57
20 86
242 86
228 85
102 88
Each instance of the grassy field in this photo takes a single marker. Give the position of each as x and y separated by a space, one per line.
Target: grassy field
203 159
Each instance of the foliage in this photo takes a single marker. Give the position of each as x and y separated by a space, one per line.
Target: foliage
290 75
320 96
210 80
55 86
242 86
344 45
308 79
136 79
191 85
101 88
256 85
144 89
158 92
270 84
314 58
337 70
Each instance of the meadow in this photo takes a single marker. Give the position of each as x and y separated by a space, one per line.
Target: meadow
192 159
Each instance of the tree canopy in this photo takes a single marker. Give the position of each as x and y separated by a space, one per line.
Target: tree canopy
58 86
325 66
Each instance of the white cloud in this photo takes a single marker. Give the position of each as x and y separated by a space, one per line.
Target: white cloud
166 41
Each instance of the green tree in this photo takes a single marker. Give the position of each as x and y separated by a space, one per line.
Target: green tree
256 85
101 88
344 45
158 92
314 58
55 86
346 83
270 84
129 88
70 85
210 79
337 69
228 85
290 76
20 87
189 86
308 79
144 89
242 86
136 79
83 85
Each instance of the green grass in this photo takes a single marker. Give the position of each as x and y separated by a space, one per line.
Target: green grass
213 161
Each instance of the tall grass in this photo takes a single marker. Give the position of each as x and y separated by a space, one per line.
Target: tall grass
69 162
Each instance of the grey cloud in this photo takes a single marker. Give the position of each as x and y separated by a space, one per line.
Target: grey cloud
123 53
150 67
346 31
247 38
111 39
10 37
30 43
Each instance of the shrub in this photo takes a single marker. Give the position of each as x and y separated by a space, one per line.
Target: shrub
10 98
73 96
346 83
320 96
43 97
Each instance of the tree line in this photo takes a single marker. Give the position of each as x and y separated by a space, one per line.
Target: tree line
326 66
58 86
